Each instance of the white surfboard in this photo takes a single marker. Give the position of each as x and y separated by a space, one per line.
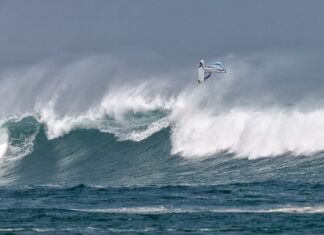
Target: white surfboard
201 75
205 72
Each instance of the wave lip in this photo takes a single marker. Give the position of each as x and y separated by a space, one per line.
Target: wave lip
244 133
112 136
150 130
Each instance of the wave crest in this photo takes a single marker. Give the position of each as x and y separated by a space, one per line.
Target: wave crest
249 134
199 128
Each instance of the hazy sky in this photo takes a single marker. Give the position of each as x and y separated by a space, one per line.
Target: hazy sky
279 42
175 30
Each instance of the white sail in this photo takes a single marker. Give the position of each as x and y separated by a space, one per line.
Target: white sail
204 72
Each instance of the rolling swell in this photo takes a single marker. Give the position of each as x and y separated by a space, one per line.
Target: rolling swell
86 155
157 171
93 157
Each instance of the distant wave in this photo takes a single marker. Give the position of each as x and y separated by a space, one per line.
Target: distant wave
166 210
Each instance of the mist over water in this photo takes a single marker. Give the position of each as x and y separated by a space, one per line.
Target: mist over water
104 128
244 114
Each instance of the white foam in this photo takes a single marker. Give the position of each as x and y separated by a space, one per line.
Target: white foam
11 229
301 210
57 126
117 104
136 210
150 130
203 121
200 127
171 210
142 98
25 146
4 142
307 209
248 133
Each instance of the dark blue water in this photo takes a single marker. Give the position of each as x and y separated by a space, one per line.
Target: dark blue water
89 182
264 207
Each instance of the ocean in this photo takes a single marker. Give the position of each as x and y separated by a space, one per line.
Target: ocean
105 129
151 165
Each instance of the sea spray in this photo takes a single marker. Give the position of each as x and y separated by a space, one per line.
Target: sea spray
248 133
4 142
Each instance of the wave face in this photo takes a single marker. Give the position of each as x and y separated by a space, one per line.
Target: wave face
114 131
233 155
160 143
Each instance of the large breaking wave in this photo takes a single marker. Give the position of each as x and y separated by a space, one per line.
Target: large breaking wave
195 131
146 132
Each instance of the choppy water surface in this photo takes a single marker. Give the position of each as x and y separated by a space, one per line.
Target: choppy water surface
248 208
151 163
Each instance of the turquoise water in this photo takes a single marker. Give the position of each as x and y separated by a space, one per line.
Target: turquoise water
92 182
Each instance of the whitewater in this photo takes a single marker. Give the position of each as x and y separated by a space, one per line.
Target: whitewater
201 123
79 139
196 131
